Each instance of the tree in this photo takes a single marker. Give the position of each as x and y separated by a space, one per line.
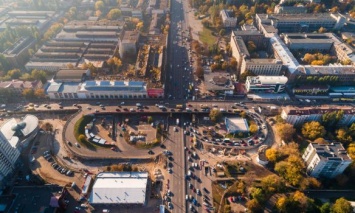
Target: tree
343 136
39 93
272 154
251 46
341 205
253 128
285 131
39 75
114 14
272 184
244 75
334 9
258 194
322 30
28 93
254 206
320 141
139 25
325 208
14 74
215 115
200 72
99 5
222 32
227 208
313 130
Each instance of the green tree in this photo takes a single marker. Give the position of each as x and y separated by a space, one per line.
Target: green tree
313 130
272 184
14 74
215 115
343 136
39 75
99 5
341 205
258 194
39 93
114 14
251 46
285 131
325 208
272 154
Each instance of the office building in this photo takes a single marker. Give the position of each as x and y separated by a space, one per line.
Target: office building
307 42
266 84
326 160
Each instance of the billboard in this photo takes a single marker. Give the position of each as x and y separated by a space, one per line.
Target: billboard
155 92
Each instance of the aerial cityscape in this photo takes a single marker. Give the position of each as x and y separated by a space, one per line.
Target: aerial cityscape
177 106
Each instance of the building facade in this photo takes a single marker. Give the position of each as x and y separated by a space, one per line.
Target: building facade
266 84
227 18
8 157
299 116
326 160
97 90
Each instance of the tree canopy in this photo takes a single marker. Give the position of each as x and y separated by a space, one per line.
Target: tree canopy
285 131
313 130
341 205
114 14
215 115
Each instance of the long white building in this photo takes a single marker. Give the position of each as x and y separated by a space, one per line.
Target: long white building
97 90
298 116
326 160
266 84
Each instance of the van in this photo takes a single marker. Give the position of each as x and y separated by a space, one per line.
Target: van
105 210
161 107
226 140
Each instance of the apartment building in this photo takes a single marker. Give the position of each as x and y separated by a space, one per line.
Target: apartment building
326 160
298 116
228 18
17 55
281 9
262 66
266 84
8 156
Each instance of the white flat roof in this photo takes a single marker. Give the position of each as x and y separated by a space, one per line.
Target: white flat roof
119 188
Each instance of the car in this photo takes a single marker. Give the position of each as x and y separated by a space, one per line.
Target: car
170 205
69 143
77 145
150 152
170 170
198 192
33 150
118 110
122 103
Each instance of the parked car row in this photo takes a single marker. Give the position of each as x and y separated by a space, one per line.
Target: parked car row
62 170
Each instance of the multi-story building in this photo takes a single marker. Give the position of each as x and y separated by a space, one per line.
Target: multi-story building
262 66
307 22
8 155
17 86
128 43
281 9
259 66
315 42
266 84
326 160
17 55
228 18
97 90
298 116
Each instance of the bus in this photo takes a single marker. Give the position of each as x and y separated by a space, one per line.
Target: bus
237 111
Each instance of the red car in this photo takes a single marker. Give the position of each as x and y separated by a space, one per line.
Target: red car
118 110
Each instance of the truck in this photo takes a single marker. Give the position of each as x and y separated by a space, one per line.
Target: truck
177 122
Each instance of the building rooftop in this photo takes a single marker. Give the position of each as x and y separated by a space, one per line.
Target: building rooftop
298 17
70 74
284 53
130 37
267 79
217 81
236 124
332 151
119 188
319 110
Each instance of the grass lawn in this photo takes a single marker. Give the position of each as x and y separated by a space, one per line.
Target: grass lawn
207 37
